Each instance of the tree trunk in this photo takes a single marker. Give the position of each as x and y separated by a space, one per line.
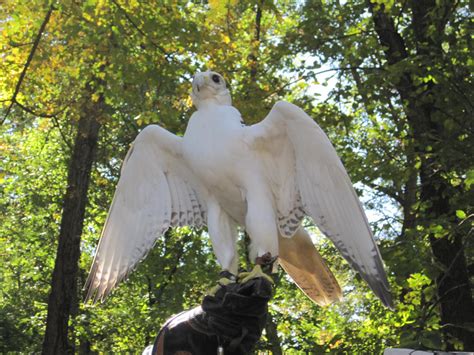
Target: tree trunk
272 336
63 298
454 294
410 192
256 43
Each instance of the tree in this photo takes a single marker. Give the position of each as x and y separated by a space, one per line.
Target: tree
63 296
427 107
415 52
398 109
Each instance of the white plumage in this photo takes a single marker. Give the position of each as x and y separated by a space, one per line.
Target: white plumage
265 178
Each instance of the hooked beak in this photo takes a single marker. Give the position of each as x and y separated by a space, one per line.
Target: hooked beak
198 82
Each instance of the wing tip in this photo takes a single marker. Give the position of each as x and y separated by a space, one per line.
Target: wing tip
382 291
387 300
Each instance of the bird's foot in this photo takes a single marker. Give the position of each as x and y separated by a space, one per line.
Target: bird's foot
262 269
226 278
255 273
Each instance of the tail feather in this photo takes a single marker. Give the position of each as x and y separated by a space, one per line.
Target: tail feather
301 260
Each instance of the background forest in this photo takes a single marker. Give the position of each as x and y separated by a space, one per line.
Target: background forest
389 81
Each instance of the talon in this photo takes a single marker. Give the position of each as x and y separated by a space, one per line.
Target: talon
255 273
228 275
226 278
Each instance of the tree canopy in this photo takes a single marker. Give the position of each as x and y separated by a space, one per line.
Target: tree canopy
390 82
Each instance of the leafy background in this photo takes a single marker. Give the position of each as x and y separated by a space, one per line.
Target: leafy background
133 61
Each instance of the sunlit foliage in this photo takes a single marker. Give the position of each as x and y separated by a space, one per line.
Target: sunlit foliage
140 56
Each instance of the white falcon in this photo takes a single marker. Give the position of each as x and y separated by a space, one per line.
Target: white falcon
265 178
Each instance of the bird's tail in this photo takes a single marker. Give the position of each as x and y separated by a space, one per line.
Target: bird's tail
302 261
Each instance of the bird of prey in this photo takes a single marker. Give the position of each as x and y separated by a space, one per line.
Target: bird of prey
266 178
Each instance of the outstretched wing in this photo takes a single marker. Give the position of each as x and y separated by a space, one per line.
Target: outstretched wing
308 178
155 191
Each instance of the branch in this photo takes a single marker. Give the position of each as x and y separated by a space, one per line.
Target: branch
53 116
133 23
332 39
179 254
63 136
459 253
167 55
28 62
387 190
314 74
437 301
17 45
38 114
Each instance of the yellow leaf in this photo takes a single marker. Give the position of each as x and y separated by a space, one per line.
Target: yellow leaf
188 101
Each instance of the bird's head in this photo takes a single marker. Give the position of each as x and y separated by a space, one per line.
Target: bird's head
210 87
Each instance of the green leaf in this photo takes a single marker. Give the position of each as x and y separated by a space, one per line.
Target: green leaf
469 179
432 341
460 214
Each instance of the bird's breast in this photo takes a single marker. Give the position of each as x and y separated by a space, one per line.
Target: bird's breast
214 148
213 140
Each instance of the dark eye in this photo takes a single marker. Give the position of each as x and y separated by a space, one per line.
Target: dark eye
215 78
